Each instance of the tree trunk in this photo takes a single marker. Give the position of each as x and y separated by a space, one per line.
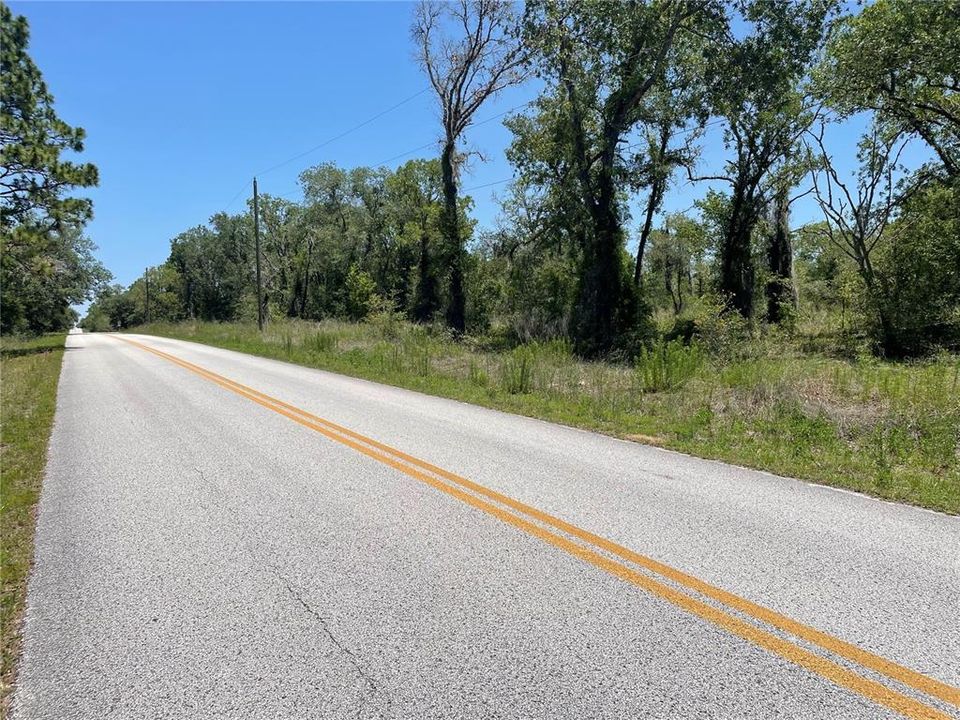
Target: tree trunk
426 303
599 313
656 194
306 281
456 309
653 203
781 290
736 260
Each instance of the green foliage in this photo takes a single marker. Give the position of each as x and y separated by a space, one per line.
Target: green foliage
667 365
539 293
517 370
918 273
35 175
361 293
899 59
600 75
46 263
756 86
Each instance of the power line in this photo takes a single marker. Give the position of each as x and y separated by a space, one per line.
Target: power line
486 185
419 147
234 198
404 154
686 131
344 133
433 142
501 114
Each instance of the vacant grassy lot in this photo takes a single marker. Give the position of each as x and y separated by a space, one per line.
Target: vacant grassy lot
891 430
29 371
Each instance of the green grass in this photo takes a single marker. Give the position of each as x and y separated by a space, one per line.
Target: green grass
890 430
29 371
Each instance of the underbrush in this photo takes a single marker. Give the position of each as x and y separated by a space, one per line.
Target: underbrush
888 429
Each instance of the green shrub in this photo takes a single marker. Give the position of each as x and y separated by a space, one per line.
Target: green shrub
361 289
477 375
667 365
322 342
517 371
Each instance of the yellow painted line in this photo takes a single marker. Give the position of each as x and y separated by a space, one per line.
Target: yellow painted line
828 669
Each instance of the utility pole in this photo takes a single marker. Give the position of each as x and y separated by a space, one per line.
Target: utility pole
256 242
146 282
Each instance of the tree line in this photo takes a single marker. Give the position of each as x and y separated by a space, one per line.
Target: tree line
627 93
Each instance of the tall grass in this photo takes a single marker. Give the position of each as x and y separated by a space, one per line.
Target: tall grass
667 365
517 370
30 369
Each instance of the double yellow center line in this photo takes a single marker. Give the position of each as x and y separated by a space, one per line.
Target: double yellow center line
630 566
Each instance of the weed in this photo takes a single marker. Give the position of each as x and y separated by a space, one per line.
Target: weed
667 365
477 375
517 371
321 342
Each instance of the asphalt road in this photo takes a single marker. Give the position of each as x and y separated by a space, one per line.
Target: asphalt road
213 550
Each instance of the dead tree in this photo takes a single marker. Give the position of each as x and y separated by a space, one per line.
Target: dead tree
858 214
470 52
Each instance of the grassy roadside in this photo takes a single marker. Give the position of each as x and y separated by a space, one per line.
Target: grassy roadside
29 372
890 430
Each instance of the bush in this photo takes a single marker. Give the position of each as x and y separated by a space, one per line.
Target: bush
722 333
919 284
362 298
321 341
667 365
517 371
538 297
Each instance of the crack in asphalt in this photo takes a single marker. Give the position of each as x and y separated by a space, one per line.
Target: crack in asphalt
352 658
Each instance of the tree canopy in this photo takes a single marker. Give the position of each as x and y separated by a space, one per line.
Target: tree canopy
46 263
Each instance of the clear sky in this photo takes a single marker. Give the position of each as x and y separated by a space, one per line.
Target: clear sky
184 102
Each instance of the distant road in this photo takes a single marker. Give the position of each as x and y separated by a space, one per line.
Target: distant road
223 536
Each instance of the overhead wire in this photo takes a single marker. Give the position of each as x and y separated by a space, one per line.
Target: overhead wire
430 143
344 133
234 198
328 141
419 147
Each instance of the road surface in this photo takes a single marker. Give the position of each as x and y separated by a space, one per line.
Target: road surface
223 536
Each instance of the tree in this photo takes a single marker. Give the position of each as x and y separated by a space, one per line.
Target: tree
780 289
214 264
415 192
756 83
899 59
42 274
859 215
47 261
919 270
681 98
465 70
677 258
602 63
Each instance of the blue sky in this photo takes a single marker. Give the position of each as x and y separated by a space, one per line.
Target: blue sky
184 102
